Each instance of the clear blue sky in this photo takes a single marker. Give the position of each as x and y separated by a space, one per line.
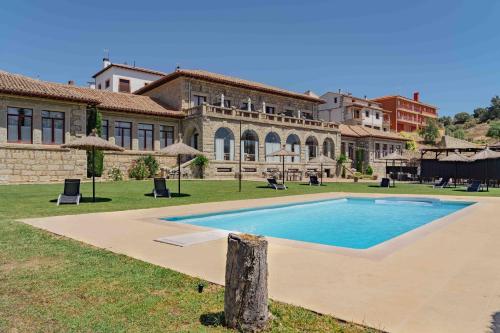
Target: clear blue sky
447 50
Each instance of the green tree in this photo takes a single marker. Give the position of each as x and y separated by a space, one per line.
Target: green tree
445 121
94 121
430 132
494 130
461 118
481 114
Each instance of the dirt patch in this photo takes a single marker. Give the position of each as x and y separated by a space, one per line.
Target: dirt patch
35 263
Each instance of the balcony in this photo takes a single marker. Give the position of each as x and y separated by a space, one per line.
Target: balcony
233 113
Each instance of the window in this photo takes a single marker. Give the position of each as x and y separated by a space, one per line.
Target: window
329 148
311 148
145 136
124 85
272 144
377 115
270 109
105 130
250 142
227 103
244 106
123 131
107 84
293 144
199 100
52 128
99 86
384 153
19 125
367 113
224 144
335 99
377 150
166 136
356 114
289 112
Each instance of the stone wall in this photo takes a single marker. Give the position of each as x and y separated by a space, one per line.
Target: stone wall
38 164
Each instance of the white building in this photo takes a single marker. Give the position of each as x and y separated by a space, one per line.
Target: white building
124 78
347 109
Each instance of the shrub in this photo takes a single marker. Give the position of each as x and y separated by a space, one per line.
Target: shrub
115 174
342 159
139 170
152 165
200 162
494 130
369 170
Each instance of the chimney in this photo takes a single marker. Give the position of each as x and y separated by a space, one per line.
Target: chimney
105 62
416 96
71 83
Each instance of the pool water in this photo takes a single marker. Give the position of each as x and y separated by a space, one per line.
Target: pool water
357 223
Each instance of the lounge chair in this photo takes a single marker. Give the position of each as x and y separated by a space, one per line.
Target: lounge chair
71 194
442 183
385 182
313 180
275 185
475 186
161 189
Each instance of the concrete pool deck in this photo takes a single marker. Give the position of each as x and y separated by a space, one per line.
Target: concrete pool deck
443 277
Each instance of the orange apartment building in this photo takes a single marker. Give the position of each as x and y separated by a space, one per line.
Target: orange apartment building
407 114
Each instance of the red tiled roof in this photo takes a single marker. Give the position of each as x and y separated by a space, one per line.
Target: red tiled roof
21 85
229 80
14 84
132 68
377 99
358 131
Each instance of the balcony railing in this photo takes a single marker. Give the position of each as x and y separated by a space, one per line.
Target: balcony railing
206 109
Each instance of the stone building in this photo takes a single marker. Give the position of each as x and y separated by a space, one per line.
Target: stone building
211 112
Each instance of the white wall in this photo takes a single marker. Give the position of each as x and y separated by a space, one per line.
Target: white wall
372 120
137 79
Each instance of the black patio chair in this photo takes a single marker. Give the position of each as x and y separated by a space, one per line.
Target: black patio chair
275 185
160 188
71 194
385 182
313 180
475 186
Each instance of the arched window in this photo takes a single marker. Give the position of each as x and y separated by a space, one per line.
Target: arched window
273 144
293 144
329 148
311 148
224 144
250 142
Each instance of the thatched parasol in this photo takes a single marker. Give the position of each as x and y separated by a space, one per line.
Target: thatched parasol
283 153
394 156
322 159
486 154
178 149
92 142
455 158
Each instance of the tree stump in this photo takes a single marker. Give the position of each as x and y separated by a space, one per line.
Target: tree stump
245 297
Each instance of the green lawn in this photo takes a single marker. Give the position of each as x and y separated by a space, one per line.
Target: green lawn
50 283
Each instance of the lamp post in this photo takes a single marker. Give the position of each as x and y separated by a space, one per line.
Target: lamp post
239 173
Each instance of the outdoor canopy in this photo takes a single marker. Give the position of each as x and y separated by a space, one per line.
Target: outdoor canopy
394 156
322 159
92 142
484 156
283 153
178 149
456 158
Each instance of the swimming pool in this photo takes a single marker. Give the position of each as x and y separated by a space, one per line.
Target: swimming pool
357 223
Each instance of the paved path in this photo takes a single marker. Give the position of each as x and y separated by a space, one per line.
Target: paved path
442 278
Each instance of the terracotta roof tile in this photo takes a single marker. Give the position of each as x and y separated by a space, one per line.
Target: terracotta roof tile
229 80
358 131
15 84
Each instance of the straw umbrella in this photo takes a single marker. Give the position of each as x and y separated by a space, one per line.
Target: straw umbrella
395 156
283 153
178 149
322 159
455 158
91 143
486 154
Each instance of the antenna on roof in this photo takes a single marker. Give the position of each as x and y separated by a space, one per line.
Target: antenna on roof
134 63
178 67
105 60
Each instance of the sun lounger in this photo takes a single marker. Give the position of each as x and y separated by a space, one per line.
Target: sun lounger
160 188
275 185
313 180
475 186
71 194
385 182
442 183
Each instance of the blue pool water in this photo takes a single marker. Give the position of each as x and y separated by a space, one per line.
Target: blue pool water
356 223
